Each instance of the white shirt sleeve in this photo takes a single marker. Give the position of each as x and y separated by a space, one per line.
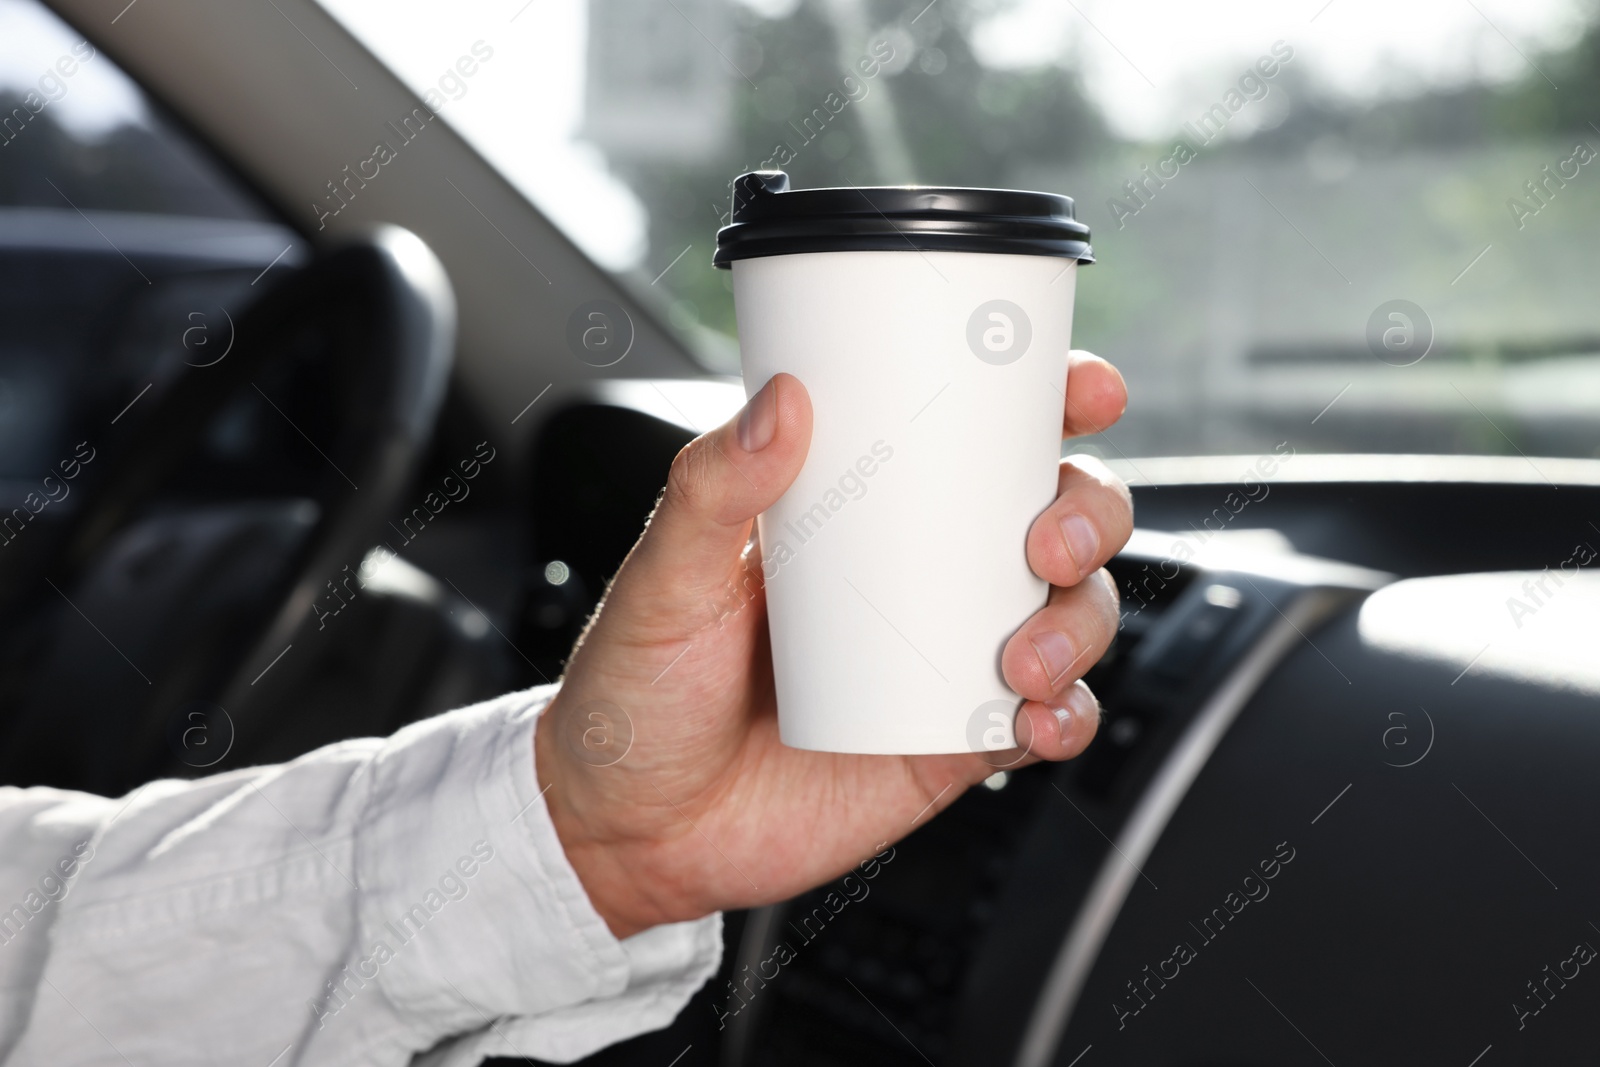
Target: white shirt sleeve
381 901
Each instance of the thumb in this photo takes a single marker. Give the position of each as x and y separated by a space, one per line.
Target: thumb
719 482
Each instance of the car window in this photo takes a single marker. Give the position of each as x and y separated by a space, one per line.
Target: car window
1347 225
123 247
75 131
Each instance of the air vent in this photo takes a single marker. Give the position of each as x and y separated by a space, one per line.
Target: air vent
871 970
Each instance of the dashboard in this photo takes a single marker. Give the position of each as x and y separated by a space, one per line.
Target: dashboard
1338 785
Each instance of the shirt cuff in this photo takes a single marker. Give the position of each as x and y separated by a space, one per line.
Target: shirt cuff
471 918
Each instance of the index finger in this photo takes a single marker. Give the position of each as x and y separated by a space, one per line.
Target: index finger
1096 395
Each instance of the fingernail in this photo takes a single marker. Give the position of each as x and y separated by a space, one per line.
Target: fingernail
1083 541
1056 653
1078 714
1085 707
758 422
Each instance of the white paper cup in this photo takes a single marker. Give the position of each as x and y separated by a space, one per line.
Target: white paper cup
895 566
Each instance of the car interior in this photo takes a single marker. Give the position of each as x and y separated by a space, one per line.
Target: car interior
343 355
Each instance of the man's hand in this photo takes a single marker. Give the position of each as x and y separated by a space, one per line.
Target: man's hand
707 809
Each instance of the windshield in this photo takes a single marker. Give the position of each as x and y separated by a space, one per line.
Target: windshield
1359 226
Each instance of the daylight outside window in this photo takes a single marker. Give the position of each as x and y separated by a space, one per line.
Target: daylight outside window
1352 222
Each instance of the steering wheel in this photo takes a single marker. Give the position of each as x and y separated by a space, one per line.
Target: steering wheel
376 317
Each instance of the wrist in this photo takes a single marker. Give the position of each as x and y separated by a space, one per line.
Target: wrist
609 878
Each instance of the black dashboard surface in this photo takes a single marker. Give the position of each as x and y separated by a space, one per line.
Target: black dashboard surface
1409 765
1408 515
1387 859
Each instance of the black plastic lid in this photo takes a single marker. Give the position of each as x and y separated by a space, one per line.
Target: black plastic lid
771 220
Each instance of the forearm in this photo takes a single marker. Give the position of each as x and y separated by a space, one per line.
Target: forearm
362 904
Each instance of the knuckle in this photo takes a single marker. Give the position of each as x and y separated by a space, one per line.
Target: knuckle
1108 601
1116 515
692 482
1124 499
1084 624
1092 468
1117 491
1109 584
1111 497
